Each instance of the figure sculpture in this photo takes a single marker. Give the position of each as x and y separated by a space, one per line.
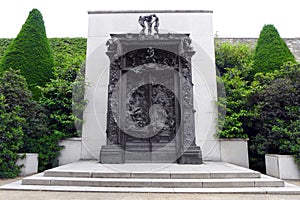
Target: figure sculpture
149 19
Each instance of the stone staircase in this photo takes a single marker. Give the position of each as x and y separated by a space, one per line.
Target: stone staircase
211 177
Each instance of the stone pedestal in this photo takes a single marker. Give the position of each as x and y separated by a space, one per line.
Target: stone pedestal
192 155
111 154
235 151
282 166
71 151
30 164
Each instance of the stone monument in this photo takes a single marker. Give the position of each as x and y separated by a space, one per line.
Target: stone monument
153 88
150 100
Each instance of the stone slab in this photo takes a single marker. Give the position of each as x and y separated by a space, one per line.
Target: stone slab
152 182
206 167
110 175
159 175
291 190
236 174
190 175
82 174
216 170
227 183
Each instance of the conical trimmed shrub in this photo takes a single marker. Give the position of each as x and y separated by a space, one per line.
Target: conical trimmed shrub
30 53
271 51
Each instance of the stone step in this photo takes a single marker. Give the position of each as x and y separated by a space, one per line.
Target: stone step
288 189
154 146
154 175
146 157
264 181
210 177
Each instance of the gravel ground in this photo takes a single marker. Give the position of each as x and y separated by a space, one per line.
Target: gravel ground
39 195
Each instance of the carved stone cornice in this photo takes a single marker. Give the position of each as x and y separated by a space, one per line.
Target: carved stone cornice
118 42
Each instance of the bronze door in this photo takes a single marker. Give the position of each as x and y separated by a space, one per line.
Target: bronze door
150 114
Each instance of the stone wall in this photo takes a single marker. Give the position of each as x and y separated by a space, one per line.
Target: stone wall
292 43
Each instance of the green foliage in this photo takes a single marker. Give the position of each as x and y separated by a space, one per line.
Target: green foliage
276 127
36 136
54 117
62 49
271 51
68 51
10 139
64 95
11 122
4 43
234 63
234 104
30 53
263 107
233 56
64 98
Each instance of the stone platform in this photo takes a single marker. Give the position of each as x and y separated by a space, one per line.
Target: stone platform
210 177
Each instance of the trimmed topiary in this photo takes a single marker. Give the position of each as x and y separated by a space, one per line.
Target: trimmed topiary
30 53
271 51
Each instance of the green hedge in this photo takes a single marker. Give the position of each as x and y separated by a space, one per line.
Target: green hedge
13 96
30 53
62 48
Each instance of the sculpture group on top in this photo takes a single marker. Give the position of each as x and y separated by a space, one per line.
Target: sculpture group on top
150 20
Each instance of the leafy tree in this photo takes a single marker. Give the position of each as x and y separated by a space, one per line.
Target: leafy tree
234 63
271 51
36 136
276 125
30 53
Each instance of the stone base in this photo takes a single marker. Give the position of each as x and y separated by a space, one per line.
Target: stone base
235 151
30 164
282 166
192 155
111 154
71 151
